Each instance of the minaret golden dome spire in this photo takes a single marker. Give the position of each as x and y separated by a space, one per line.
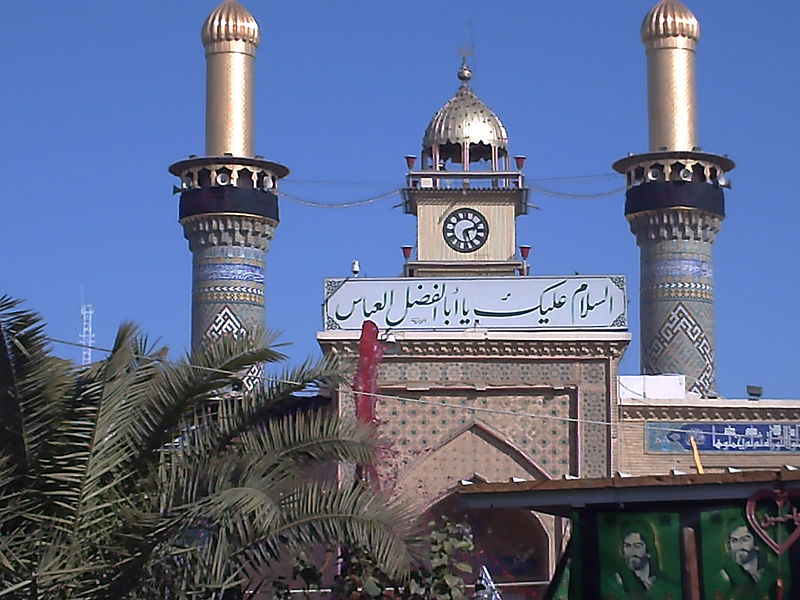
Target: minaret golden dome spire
230 37
670 33
670 18
228 22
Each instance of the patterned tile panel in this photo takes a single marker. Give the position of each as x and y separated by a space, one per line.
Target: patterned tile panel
225 323
677 310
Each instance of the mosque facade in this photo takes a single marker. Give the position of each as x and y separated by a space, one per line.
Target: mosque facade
501 374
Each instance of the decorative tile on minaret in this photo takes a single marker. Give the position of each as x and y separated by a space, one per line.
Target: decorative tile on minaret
675 205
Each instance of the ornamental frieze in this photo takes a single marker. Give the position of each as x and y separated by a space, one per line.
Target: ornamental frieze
699 413
443 349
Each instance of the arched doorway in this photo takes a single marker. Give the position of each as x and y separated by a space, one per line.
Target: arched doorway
511 543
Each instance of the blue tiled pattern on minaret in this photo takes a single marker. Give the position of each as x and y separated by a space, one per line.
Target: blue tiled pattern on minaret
227 290
677 311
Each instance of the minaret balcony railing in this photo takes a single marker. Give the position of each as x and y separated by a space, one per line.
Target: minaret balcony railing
686 166
458 180
241 172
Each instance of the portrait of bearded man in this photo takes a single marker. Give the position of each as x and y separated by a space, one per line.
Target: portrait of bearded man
639 574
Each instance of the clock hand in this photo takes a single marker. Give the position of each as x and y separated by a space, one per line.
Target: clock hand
462 228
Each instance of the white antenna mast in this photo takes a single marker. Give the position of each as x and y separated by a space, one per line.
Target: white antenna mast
87 335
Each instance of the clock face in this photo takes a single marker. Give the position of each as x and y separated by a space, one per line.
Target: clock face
465 230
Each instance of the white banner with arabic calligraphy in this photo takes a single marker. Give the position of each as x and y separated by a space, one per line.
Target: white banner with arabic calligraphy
578 302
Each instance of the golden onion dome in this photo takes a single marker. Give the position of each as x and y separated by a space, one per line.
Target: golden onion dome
670 18
465 119
228 22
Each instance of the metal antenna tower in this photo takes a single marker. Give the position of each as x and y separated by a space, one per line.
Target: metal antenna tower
87 335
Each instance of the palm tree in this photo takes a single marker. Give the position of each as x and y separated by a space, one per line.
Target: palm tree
136 477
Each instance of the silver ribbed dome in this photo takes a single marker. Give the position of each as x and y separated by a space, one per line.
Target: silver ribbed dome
465 119
230 21
670 18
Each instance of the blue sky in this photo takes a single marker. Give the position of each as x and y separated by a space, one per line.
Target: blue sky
100 97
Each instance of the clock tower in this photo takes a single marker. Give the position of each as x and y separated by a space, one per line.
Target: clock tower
466 195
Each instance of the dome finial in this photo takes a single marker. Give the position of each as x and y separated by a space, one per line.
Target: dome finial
464 72
670 18
230 21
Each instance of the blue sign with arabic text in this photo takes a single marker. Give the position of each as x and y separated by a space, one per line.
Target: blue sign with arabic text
722 437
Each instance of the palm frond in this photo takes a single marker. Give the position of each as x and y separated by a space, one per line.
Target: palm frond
186 388
353 517
235 414
31 383
286 452
137 477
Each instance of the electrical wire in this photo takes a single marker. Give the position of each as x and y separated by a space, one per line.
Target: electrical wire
529 179
405 399
542 190
379 197
569 177
355 203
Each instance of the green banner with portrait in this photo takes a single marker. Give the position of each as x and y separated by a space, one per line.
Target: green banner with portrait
736 563
639 556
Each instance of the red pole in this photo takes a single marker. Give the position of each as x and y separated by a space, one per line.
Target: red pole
365 386
370 352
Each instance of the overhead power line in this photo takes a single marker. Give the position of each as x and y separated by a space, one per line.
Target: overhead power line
292 180
389 194
405 399
542 190
352 204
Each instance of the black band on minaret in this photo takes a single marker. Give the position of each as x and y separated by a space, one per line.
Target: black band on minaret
670 194
229 199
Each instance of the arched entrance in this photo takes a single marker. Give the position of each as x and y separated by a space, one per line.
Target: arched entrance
512 543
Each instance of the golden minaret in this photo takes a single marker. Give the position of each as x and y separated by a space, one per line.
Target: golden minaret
229 202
